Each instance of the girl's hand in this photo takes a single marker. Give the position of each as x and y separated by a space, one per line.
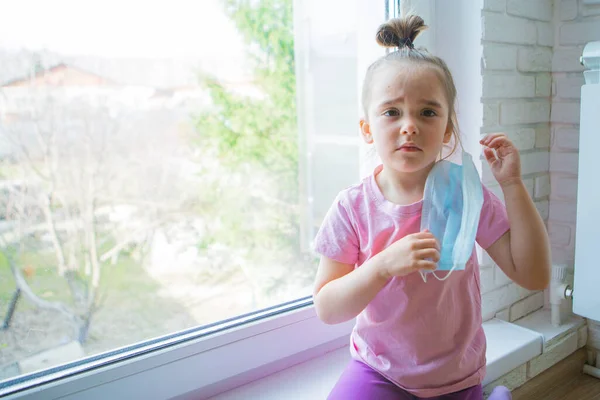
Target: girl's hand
419 251
505 163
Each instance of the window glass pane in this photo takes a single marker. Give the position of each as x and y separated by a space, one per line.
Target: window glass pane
163 165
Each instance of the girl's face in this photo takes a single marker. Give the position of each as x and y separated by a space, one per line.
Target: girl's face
407 117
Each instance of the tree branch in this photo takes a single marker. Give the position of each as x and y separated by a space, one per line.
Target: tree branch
35 299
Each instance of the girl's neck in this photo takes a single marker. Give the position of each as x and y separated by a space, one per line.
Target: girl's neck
402 188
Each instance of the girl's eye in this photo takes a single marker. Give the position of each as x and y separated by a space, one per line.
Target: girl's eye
429 113
391 113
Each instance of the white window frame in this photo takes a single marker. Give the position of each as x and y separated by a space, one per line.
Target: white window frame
202 363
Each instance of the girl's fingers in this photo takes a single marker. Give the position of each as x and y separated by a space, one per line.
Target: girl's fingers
433 243
425 234
430 243
428 254
491 137
489 154
425 264
499 142
426 239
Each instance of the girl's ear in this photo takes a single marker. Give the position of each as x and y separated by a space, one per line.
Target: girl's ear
448 133
365 129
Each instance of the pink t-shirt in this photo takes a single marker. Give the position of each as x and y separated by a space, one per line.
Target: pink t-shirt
426 337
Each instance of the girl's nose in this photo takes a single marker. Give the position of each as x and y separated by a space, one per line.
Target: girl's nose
408 128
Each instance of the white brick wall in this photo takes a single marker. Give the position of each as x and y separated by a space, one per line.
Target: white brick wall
512 380
560 234
543 85
566 113
503 315
487 278
537 59
501 298
509 86
542 136
568 10
522 112
553 355
565 139
521 31
543 208
542 186
535 163
563 211
593 333
568 87
567 59
531 90
494 5
517 90
491 114
576 24
500 57
564 187
590 10
532 9
564 163
526 306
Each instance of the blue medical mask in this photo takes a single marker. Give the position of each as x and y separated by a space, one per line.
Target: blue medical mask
452 203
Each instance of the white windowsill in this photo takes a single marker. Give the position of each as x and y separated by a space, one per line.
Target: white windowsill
540 321
508 346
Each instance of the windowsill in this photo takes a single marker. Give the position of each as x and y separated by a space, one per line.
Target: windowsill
540 321
508 346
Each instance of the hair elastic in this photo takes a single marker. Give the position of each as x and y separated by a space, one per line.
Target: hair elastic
406 42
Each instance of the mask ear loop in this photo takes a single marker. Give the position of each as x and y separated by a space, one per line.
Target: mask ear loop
447 275
424 274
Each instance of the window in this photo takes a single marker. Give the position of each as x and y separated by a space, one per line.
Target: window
163 172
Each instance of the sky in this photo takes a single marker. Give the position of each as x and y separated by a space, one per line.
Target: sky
120 28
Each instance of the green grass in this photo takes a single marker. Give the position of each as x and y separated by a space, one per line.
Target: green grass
132 311
126 280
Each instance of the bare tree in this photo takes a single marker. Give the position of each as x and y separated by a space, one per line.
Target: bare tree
86 183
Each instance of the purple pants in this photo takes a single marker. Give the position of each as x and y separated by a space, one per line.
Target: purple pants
361 382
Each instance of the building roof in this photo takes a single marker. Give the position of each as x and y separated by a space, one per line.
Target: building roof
60 74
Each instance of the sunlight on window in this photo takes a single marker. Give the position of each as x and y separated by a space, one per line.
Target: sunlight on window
155 174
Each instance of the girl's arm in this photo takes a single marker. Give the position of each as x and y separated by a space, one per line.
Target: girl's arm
523 253
341 292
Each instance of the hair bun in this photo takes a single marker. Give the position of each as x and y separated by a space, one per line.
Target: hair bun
400 32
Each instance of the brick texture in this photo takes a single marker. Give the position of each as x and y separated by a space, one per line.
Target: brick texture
532 82
575 24
517 377
553 355
518 39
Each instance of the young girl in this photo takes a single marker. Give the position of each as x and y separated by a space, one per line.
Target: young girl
416 339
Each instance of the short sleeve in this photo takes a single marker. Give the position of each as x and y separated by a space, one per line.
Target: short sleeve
337 239
493 221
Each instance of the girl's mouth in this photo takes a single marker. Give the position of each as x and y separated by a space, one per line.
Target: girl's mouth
409 147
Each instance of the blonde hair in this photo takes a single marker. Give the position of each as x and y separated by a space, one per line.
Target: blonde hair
401 33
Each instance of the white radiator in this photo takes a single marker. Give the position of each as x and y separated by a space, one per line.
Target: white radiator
586 294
